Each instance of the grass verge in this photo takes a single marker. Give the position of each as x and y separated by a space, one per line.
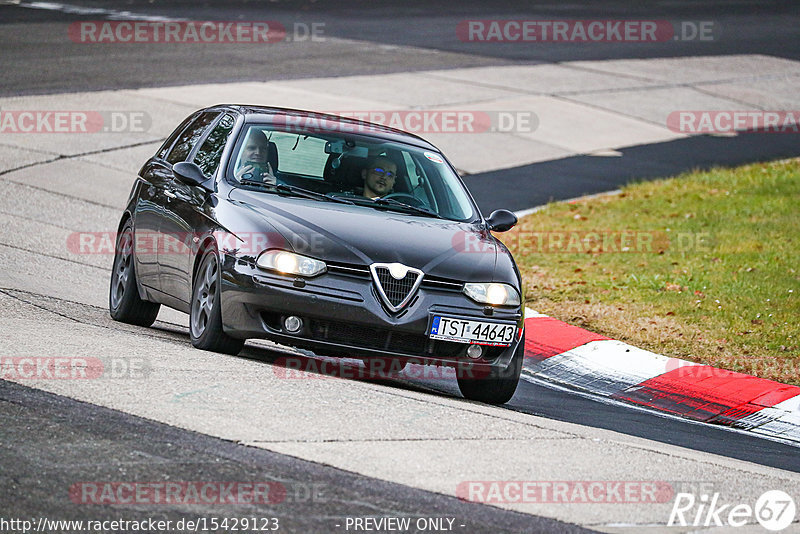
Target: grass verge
703 266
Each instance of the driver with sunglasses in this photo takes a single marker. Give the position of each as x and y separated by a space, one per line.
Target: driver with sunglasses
379 177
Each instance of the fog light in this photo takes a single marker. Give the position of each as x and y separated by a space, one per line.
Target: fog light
293 324
474 351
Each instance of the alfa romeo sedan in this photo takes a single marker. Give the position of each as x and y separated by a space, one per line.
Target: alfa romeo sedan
325 233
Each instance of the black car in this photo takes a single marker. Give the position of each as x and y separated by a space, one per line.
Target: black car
325 233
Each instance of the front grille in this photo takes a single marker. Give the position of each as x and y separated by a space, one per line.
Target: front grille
395 290
390 340
349 269
368 337
433 282
362 271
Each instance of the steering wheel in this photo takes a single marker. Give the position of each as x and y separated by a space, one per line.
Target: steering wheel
407 199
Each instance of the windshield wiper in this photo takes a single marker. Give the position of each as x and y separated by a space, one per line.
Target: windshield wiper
245 181
294 190
396 203
309 193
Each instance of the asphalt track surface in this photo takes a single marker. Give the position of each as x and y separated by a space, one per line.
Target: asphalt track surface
50 442
307 497
376 36
575 176
94 438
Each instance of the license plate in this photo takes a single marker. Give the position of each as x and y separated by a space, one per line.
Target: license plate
473 332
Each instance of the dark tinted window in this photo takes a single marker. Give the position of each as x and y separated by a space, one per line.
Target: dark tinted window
210 153
164 150
189 137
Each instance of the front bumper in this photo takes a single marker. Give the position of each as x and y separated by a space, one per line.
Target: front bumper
343 316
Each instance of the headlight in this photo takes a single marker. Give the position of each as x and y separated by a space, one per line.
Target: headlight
290 263
492 293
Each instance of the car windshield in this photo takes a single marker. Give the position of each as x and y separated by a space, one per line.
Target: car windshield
368 171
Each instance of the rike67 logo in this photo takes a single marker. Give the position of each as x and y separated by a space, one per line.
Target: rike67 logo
774 510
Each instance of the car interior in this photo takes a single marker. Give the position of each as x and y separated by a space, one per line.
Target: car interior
342 173
332 165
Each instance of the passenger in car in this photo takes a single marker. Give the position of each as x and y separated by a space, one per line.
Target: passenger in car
253 164
379 177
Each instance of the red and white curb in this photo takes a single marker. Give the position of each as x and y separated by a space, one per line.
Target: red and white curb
564 354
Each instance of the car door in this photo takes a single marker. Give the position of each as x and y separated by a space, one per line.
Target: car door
149 208
189 211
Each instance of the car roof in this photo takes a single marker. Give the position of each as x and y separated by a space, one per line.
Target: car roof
325 122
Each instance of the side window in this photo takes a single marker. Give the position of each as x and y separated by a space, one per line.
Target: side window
210 153
164 150
190 136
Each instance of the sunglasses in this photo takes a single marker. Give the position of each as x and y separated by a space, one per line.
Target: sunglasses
384 172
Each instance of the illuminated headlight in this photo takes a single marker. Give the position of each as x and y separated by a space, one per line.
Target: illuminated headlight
290 263
492 293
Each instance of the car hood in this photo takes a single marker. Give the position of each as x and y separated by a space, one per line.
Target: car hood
363 235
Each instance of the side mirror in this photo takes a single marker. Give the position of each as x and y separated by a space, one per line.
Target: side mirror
501 220
190 174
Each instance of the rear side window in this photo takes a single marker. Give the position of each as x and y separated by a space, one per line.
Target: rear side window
164 150
189 137
210 153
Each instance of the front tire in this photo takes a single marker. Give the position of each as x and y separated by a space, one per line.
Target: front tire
205 317
124 302
499 384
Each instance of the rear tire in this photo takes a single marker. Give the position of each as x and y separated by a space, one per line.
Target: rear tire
499 384
124 303
205 317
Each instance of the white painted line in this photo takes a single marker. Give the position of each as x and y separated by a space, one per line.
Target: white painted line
605 367
600 369
605 153
781 420
532 314
111 14
528 377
